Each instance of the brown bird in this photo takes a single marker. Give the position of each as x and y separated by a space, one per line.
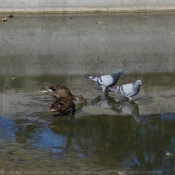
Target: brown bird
11 16
60 105
4 19
60 91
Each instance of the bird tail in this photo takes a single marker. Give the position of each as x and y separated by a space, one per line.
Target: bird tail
80 98
91 77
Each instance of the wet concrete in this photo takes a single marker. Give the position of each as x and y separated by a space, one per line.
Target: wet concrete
80 44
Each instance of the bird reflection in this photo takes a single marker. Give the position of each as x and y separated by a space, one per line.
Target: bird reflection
108 102
61 126
125 106
131 108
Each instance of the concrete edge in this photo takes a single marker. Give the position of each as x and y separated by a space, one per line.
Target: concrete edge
88 10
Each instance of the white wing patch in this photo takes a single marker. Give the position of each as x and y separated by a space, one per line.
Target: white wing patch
106 80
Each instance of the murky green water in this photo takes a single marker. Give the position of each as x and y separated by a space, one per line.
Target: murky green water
105 136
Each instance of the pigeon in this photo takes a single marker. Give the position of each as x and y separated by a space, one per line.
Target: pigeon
127 90
105 81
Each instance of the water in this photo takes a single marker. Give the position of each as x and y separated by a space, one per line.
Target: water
107 135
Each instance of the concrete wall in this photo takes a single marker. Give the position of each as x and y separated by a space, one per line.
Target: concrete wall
38 44
84 5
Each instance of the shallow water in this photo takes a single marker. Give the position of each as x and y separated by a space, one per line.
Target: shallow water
107 135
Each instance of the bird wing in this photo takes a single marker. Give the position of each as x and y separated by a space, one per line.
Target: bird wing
105 80
125 90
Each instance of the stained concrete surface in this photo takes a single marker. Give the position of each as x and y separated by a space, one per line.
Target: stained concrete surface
87 43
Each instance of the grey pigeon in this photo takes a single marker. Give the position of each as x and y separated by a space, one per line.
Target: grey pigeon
128 90
105 81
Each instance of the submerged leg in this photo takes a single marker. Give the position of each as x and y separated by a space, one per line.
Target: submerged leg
130 98
73 108
104 88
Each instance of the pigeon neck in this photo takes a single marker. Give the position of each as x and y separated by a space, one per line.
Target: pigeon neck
116 76
135 86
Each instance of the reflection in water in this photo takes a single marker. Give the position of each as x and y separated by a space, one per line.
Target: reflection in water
7 128
61 125
107 102
131 108
125 106
111 140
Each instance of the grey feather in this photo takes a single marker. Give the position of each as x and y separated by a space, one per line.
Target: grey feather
105 81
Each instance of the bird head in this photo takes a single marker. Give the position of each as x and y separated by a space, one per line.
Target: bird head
120 72
138 82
